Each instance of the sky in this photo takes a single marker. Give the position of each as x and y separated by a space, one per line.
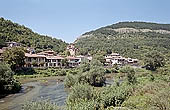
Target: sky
68 19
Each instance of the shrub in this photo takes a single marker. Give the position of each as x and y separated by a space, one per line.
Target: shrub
69 80
130 74
152 96
96 77
62 72
154 60
40 105
115 95
83 105
80 91
7 82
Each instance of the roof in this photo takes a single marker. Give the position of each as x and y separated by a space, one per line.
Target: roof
42 53
80 56
108 57
54 57
48 51
34 55
12 42
115 54
70 57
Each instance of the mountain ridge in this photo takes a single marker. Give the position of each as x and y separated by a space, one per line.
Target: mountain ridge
131 39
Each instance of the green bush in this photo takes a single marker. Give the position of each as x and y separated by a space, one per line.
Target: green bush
115 95
130 74
69 80
92 73
40 105
7 82
152 96
62 72
83 105
80 91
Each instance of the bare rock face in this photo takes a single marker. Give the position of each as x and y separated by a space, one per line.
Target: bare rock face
133 30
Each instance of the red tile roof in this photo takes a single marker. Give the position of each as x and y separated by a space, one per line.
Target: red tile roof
70 57
54 57
34 55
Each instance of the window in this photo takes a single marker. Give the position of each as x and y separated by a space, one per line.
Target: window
53 60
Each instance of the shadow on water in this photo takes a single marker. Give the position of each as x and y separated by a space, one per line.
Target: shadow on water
35 91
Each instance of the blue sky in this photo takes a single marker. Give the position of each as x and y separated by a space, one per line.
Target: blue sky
68 19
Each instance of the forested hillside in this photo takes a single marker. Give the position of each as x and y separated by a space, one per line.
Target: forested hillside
131 39
10 31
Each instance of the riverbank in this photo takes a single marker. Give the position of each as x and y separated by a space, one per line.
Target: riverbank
27 80
41 88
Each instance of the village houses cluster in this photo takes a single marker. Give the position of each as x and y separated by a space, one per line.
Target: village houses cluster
49 58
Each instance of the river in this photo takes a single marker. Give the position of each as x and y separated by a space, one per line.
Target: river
44 89
33 91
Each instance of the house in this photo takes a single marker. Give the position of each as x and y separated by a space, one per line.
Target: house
43 59
71 48
13 44
34 60
73 61
108 60
30 50
53 61
116 58
115 55
47 53
131 61
83 58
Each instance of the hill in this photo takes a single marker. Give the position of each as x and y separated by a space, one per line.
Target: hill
10 31
130 39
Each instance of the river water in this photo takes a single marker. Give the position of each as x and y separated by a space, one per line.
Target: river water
39 90
50 89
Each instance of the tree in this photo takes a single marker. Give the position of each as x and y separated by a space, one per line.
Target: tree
96 77
7 83
64 63
101 58
2 43
130 74
154 60
67 53
14 57
95 63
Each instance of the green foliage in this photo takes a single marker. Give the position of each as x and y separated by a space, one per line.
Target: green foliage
2 43
115 95
80 91
154 60
10 31
64 63
38 72
82 105
40 105
100 58
130 74
91 73
96 77
152 96
14 57
7 82
69 80
95 63
84 66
